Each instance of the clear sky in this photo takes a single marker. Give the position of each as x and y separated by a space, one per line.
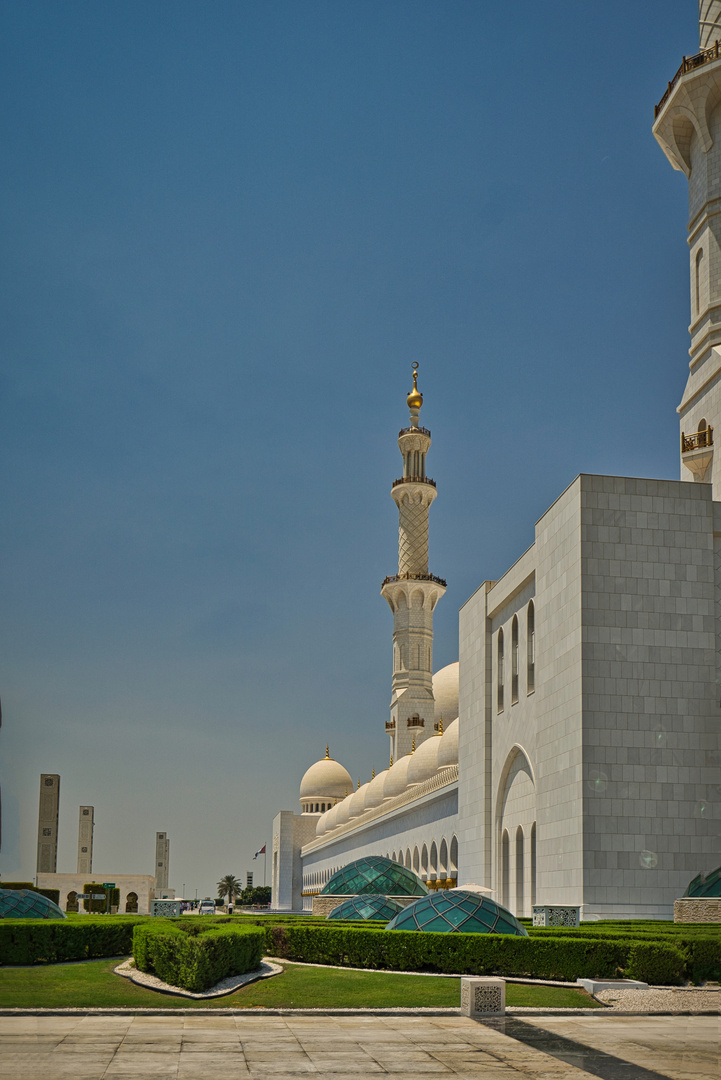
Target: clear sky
229 228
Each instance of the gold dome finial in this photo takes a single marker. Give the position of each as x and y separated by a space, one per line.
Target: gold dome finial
440 725
415 398
413 747
358 788
391 763
327 752
373 775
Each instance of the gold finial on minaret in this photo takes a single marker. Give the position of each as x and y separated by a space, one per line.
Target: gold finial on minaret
415 398
327 752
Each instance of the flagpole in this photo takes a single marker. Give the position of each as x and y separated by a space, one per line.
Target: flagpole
265 857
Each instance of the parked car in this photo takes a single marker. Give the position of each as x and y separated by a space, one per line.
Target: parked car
207 907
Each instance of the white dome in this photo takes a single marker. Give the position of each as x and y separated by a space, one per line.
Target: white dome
322 825
331 818
448 752
396 780
343 810
357 801
424 762
327 780
445 691
374 795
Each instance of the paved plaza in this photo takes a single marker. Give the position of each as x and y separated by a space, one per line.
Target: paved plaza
227 1047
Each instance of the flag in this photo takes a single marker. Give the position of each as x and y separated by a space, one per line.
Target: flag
261 852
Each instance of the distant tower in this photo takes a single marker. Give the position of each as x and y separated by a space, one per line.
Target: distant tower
412 593
162 859
688 128
86 826
48 823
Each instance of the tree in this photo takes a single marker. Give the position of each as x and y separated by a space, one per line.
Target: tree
229 886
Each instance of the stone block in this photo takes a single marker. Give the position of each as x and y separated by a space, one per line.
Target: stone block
701 909
483 996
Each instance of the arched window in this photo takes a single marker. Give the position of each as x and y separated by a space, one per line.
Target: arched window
433 867
424 862
416 861
408 858
454 858
131 902
514 660
504 869
499 669
519 871
530 648
533 865
443 861
699 279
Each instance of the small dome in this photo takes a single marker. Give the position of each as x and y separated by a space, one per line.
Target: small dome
445 691
357 801
331 817
374 795
396 780
326 780
343 811
458 911
322 825
374 907
448 752
424 763
705 884
374 874
28 904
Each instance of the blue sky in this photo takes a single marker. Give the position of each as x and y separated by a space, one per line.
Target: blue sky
229 229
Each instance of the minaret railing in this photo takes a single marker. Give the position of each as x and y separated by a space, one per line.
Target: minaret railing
689 63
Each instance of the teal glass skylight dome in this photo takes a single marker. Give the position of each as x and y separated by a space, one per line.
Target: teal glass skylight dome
458 911
374 874
25 904
705 884
374 907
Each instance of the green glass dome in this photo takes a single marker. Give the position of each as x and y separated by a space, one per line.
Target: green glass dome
25 904
705 884
376 907
458 911
374 874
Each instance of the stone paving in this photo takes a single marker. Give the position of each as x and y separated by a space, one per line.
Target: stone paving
257 1045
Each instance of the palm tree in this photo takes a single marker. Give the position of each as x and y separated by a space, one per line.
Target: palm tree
229 886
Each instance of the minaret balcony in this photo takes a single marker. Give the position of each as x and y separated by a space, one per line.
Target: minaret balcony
390 725
415 721
689 63
414 431
697 452
413 480
414 577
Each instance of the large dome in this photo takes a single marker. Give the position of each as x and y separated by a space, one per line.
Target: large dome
457 911
26 904
374 874
445 691
325 782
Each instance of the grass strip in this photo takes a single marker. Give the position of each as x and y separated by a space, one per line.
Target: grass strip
93 984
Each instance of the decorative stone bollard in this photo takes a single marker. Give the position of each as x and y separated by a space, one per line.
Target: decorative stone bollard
483 996
556 915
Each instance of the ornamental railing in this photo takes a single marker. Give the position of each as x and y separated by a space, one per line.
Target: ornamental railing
414 577
409 430
390 725
413 480
415 721
697 440
689 63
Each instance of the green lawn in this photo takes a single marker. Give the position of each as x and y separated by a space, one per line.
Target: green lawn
93 984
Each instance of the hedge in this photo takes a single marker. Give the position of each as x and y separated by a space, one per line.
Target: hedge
563 958
193 957
51 894
52 941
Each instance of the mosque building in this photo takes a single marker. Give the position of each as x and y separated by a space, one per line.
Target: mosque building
572 756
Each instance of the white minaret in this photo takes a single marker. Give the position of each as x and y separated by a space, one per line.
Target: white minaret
412 593
688 128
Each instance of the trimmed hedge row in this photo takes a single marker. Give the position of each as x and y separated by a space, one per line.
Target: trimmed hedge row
564 958
196 958
52 941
